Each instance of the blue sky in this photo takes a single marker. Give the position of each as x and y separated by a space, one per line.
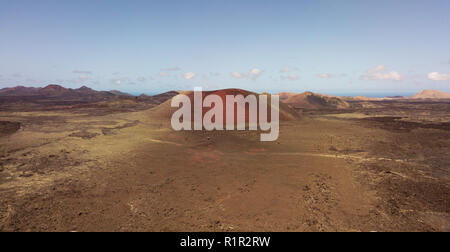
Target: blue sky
336 47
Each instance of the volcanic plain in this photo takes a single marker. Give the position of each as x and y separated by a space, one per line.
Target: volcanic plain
114 164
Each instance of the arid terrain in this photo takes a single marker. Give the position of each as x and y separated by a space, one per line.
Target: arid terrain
113 163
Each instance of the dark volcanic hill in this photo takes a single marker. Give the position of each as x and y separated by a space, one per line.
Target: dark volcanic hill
56 91
56 94
119 93
159 98
19 91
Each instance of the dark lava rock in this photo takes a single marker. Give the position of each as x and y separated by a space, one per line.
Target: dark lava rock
7 128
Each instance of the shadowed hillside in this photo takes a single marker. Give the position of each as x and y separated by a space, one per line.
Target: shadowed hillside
309 100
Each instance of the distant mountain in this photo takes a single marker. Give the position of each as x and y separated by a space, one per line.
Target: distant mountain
157 99
57 91
309 100
431 94
363 98
84 94
51 90
119 93
160 98
18 91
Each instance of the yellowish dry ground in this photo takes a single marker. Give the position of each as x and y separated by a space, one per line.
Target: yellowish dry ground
130 172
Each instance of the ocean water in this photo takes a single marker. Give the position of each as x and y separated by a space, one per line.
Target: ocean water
374 94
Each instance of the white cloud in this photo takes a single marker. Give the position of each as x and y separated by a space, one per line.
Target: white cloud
117 81
292 77
189 75
237 75
255 72
377 69
163 74
379 74
121 80
387 76
324 76
438 76
285 70
80 79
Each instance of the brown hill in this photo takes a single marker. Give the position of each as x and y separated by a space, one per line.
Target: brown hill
18 91
119 93
56 91
431 94
165 110
61 95
159 98
285 95
309 100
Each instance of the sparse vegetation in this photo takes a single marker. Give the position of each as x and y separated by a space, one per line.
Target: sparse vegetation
379 166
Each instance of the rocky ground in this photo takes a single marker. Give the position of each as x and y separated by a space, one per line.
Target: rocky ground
375 167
